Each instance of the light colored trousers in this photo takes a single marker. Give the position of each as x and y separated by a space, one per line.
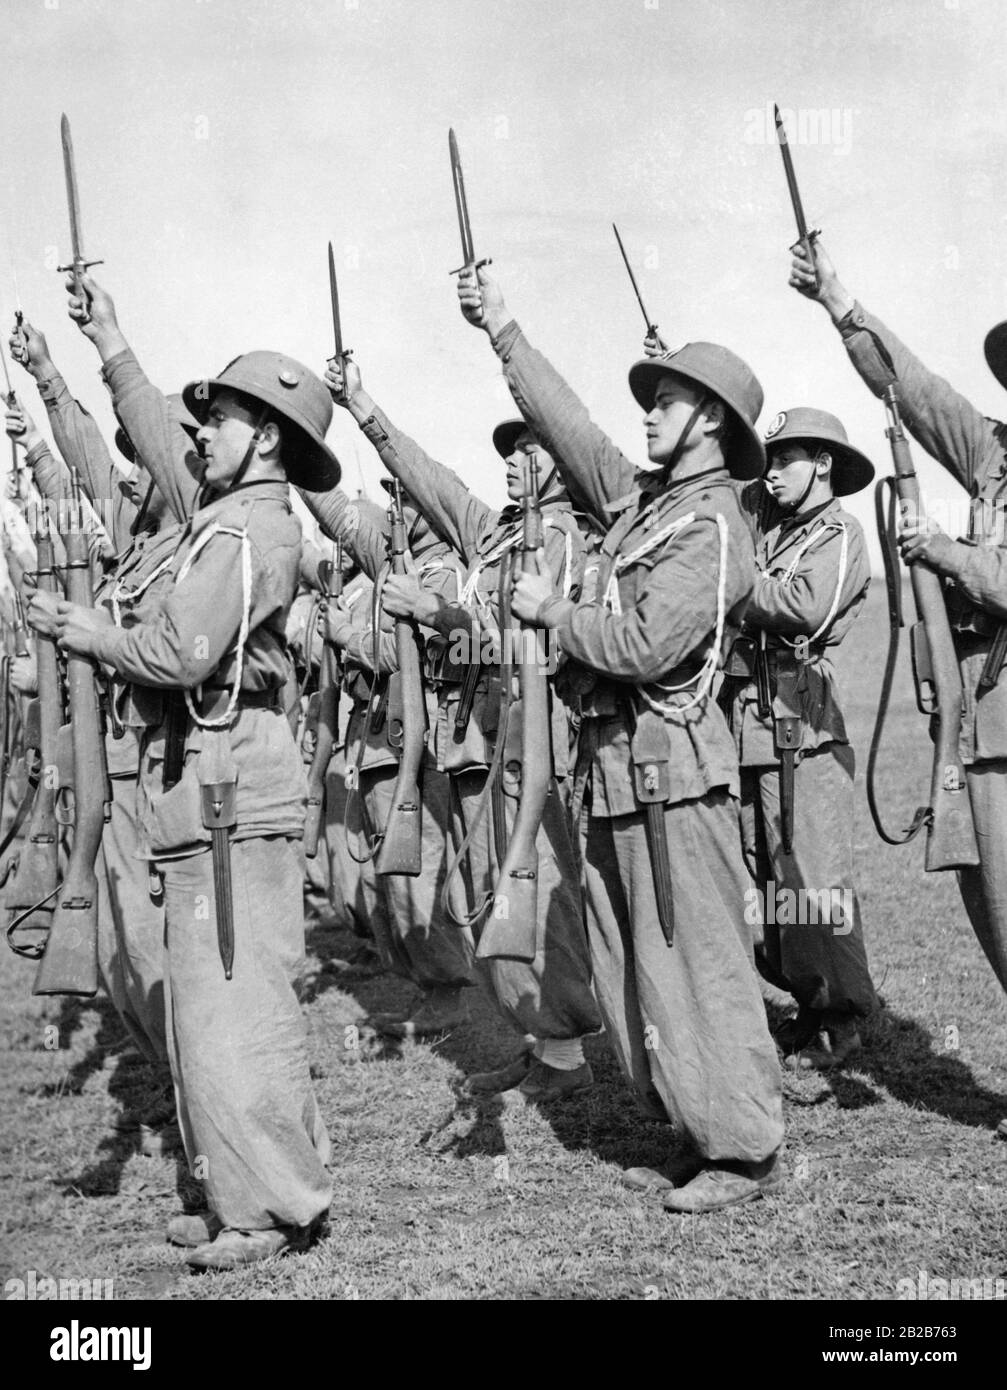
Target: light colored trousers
238 1048
687 1022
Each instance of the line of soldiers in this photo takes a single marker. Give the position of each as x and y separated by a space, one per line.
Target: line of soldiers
686 614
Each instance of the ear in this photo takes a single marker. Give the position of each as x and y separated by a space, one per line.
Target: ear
823 464
716 414
271 438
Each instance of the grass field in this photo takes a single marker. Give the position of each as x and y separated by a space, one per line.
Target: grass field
893 1166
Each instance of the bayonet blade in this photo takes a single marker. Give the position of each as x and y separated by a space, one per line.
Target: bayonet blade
651 327
795 196
337 331
458 178
72 197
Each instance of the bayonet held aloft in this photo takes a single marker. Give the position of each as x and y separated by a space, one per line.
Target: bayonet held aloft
79 264
803 235
464 226
651 325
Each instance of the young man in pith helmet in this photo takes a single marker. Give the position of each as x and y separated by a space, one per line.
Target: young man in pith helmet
547 1000
781 700
221 812
973 449
656 791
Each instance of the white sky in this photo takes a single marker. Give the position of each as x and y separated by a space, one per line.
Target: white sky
221 143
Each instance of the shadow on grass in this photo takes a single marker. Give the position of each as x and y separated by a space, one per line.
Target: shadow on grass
142 1088
899 1056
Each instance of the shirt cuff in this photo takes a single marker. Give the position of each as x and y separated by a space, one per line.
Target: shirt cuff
54 391
852 322
503 343
555 612
120 372
107 643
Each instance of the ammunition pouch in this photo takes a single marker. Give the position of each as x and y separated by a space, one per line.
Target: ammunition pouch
963 615
742 658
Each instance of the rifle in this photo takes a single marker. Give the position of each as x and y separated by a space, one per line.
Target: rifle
37 865
651 326
511 930
462 207
805 237
78 265
951 841
323 711
70 962
401 848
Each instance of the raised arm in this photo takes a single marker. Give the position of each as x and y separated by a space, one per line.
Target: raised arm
154 431
944 422
594 468
454 513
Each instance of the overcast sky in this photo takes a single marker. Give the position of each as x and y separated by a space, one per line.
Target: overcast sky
221 143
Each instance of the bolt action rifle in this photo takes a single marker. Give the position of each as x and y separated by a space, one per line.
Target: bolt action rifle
323 710
510 930
951 841
70 962
400 851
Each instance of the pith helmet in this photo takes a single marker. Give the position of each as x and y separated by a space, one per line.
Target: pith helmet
506 435
851 470
179 413
996 352
728 378
296 395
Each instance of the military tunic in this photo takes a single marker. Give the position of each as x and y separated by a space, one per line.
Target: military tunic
973 449
687 1023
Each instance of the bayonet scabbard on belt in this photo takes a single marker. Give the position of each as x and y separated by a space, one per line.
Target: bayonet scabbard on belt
788 740
218 779
651 754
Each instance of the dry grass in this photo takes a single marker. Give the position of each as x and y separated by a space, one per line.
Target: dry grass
894 1166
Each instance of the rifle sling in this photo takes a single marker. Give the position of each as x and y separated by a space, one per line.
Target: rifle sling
887 535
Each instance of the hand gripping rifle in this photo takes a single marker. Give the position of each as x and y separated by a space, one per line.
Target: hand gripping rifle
511 928
400 851
323 709
951 841
35 883
70 963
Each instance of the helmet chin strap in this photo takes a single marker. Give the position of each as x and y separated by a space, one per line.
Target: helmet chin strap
796 507
681 442
253 444
141 516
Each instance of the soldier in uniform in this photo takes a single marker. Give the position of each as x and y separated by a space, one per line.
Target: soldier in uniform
145 530
657 776
973 449
549 1000
781 701
414 937
222 815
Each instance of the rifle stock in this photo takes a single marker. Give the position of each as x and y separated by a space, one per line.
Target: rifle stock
70 962
401 845
35 880
510 931
951 841
325 715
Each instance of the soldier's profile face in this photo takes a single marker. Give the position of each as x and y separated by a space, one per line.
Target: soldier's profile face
674 401
518 462
225 436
